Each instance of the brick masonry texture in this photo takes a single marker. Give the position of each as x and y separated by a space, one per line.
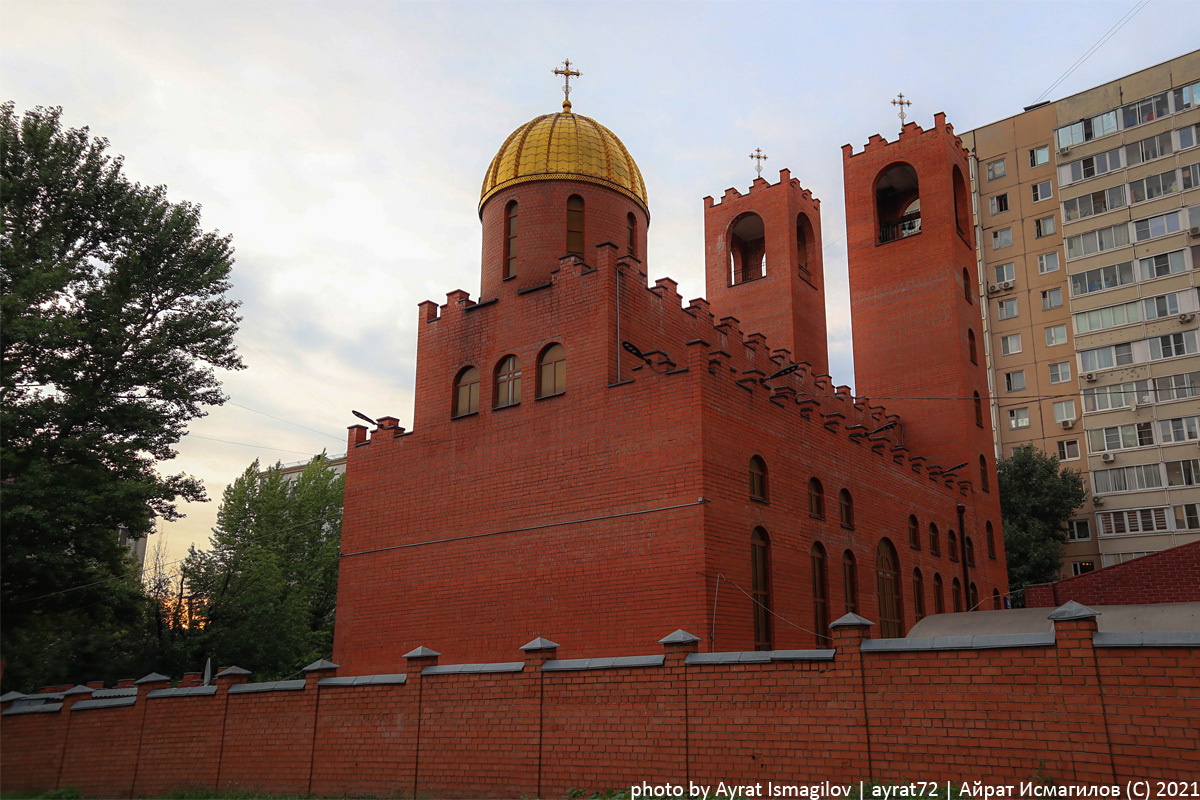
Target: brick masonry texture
1079 712
1168 576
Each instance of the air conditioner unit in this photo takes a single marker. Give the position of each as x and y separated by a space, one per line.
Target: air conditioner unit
1107 457
1006 285
1097 500
1187 316
993 288
1194 230
1067 424
1090 377
1062 151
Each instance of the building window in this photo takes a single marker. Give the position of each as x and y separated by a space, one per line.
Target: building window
891 616
1191 176
1179 429
978 410
747 249
918 595
1153 186
466 392
1120 437
1001 239
846 509
1061 372
1097 202
1081 567
1042 191
1160 266
1079 530
996 169
510 239
1187 517
1048 262
934 544
969 551
1006 272
631 224
1120 355
914 532
1006 309
956 594
1064 411
1068 450
967 286
1090 167
1051 298
1173 344
850 581
1011 344
973 598
951 546
1039 156
996 604
1187 97
760 588
939 601
983 474
972 350
1044 227
999 204
1098 241
816 498
1144 111
804 235
1056 335
820 588
552 371
1140 520
1018 418
1087 129
991 541
758 478
508 382
575 224
1014 381
1156 226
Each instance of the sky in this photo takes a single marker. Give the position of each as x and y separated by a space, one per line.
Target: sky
343 145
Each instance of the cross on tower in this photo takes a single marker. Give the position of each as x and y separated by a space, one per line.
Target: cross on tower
567 74
900 102
758 157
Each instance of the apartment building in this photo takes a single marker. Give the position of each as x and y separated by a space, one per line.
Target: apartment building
1087 214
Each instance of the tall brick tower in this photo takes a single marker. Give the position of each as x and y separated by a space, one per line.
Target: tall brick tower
918 340
762 259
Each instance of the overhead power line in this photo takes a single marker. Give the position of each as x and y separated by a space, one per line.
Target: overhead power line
1138 6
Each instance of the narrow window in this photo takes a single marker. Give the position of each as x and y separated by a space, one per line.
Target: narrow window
978 410
971 349
850 581
510 239
891 617
758 478
967 285
820 587
914 532
816 498
508 382
631 223
962 210
939 602
575 224
972 598
956 595
996 599
969 551
918 595
991 541
466 392
552 371
760 588
935 546
803 239
952 546
846 508
983 474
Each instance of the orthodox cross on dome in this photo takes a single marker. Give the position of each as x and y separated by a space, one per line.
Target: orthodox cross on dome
758 157
567 74
900 103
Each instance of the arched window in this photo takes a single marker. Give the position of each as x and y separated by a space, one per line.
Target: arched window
956 595
891 616
758 478
552 371
972 598
508 382
816 498
846 509
804 239
631 224
978 410
983 474
914 532
969 551
918 595
575 224
962 209
760 588
991 541
898 203
935 546
747 248
939 601
820 588
971 346
466 392
996 604
952 545
510 239
967 285
850 581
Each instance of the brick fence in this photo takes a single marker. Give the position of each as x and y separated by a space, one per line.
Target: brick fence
1077 706
1168 576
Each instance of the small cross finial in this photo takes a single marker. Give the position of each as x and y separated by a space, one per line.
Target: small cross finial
758 157
567 74
900 103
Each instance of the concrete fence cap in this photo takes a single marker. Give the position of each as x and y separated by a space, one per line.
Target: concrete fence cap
849 621
1072 610
679 637
153 677
233 671
539 643
7 696
78 689
320 664
422 652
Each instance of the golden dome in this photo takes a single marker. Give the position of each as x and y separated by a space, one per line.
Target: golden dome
564 146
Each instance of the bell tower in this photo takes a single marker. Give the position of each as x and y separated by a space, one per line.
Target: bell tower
762 261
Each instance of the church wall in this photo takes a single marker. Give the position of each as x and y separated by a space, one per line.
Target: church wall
186 723
102 750
365 741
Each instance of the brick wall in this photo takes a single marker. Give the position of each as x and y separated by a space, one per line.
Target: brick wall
1168 576
1076 706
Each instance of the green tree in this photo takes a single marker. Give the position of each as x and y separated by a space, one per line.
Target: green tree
264 594
1037 497
114 320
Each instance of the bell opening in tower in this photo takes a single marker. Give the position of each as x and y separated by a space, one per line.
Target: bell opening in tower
898 203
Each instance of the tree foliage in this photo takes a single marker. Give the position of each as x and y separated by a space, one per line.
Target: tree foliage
1037 497
263 596
114 322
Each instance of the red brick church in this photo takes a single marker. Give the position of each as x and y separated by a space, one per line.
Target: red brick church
596 462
